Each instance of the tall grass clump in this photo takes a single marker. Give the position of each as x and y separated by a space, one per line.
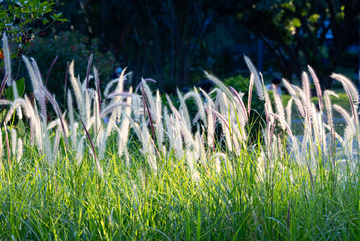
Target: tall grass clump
151 172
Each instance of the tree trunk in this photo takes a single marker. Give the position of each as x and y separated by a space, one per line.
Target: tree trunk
287 73
325 80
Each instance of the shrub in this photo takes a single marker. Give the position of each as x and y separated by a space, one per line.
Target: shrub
70 45
18 18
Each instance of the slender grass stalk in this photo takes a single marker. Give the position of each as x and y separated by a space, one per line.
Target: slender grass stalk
50 68
88 70
58 113
7 61
66 77
317 86
3 84
97 164
145 103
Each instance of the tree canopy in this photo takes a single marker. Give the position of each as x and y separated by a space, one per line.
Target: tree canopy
320 30
18 17
171 40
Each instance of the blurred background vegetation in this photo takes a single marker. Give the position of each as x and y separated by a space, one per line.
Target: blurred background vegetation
174 41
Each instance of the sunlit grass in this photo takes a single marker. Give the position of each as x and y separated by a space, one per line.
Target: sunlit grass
155 173
343 100
71 202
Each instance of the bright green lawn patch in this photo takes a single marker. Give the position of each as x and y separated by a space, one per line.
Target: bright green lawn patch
343 101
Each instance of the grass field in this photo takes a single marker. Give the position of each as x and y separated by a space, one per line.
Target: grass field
245 200
153 173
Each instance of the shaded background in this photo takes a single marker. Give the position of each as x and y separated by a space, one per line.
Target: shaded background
174 41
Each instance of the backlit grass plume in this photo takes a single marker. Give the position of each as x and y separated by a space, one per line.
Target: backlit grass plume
129 164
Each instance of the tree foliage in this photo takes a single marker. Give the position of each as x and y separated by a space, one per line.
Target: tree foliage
18 17
293 27
68 46
171 41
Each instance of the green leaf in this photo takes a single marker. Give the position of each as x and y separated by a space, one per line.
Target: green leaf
21 128
3 114
36 2
45 21
296 23
314 18
9 92
20 3
198 228
57 17
63 20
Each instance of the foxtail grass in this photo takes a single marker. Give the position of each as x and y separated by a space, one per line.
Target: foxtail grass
154 173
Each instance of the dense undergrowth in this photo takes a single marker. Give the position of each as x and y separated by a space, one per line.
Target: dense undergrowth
151 172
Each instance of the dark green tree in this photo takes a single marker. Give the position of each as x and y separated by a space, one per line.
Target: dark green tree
288 27
167 40
21 20
18 17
